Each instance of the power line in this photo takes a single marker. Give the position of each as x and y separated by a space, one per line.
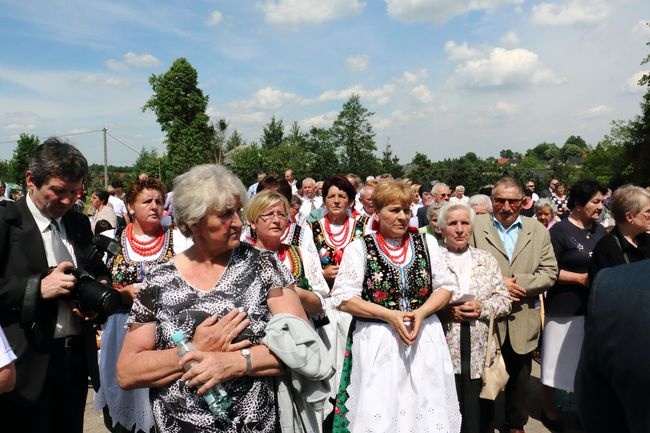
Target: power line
122 143
59 135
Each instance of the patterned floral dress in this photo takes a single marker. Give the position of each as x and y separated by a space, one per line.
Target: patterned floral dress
170 302
387 386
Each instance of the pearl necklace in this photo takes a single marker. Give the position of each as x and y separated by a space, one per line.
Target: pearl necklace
396 254
148 247
340 238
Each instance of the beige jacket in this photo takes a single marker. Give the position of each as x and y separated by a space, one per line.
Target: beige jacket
533 264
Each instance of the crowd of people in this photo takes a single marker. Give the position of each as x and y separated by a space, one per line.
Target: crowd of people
318 306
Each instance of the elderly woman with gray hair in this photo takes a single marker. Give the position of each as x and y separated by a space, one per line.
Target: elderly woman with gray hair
466 318
546 212
205 292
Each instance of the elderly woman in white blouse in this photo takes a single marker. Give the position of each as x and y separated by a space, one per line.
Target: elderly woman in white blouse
466 318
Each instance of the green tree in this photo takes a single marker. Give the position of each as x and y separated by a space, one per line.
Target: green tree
180 107
295 137
544 152
325 162
245 162
606 162
4 170
218 142
25 147
390 163
506 153
420 168
234 141
150 162
273 134
353 134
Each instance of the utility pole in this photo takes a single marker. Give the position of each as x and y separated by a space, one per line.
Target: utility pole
105 159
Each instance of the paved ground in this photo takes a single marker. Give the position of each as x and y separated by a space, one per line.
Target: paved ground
95 424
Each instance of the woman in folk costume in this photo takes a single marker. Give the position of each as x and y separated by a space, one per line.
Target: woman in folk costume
397 374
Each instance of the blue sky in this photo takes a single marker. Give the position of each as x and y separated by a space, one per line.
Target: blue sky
443 77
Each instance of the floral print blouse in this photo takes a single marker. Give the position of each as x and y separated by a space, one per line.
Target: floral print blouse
486 284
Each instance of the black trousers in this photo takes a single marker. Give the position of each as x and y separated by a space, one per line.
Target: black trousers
477 413
61 404
516 396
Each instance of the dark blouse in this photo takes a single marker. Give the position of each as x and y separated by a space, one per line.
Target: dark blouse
609 253
573 247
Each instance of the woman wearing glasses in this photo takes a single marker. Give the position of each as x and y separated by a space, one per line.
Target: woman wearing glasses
268 217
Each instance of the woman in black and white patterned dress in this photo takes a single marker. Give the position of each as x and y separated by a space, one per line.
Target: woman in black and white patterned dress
221 292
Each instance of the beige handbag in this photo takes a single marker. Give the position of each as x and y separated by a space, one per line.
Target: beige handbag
495 375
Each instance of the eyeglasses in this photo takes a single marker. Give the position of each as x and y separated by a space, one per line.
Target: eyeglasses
443 194
266 217
510 201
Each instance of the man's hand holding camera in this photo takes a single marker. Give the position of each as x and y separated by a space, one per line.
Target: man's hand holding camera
59 281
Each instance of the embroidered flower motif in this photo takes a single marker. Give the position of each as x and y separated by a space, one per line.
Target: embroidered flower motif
423 292
378 295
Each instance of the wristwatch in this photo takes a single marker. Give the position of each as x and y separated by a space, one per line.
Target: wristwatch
246 353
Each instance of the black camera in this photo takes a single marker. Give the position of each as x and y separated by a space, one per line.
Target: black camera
93 297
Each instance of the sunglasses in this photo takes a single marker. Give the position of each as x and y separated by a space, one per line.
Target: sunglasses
510 201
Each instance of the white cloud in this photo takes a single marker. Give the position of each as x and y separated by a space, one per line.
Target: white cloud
132 59
597 111
632 83
414 77
18 127
380 95
116 65
117 82
460 52
357 63
296 12
141 60
269 98
501 67
77 131
642 28
510 39
324 120
439 11
422 94
215 18
503 108
571 12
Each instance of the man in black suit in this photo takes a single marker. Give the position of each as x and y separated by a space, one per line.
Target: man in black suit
612 384
41 241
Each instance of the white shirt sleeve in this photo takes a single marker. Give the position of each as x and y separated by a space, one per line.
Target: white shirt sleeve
441 275
7 356
349 281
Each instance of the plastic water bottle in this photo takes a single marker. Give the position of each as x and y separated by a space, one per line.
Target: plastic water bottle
216 397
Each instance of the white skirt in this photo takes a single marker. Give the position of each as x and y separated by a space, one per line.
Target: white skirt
561 346
396 388
132 408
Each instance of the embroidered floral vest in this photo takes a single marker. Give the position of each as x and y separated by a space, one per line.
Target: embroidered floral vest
294 259
293 235
395 287
125 271
328 254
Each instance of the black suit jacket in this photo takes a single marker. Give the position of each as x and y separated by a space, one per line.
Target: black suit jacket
27 319
422 216
612 384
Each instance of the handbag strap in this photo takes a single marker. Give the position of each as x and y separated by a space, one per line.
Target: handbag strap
489 342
